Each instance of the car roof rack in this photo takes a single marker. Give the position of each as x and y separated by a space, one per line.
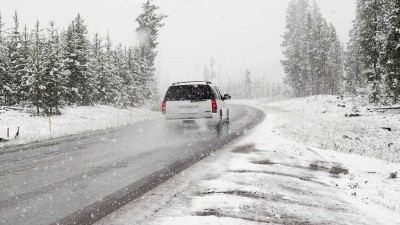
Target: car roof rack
186 82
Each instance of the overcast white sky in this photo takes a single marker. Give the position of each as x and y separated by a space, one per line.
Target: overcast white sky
239 34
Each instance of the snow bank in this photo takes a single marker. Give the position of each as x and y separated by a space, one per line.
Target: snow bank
72 121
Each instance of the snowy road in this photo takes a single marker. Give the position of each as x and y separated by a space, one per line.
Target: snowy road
84 179
265 178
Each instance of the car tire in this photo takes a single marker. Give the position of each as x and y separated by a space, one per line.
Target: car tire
220 122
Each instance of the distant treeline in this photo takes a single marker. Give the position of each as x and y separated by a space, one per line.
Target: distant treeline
373 55
254 88
313 61
48 68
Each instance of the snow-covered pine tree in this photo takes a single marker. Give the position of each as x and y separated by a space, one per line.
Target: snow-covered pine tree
128 79
334 70
69 57
53 79
144 76
131 86
26 66
313 59
104 70
374 86
322 39
294 47
3 63
309 71
147 32
35 81
306 46
97 66
76 52
390 56
371 25
109 81
14 64
117 80
353 65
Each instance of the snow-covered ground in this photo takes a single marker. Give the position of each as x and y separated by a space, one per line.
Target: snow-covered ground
72 121
321 121
268 178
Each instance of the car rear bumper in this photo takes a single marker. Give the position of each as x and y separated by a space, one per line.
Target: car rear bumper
191 116
209 119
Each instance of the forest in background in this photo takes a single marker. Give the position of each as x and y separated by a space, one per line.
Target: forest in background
313 61
373 54
316 63
47 68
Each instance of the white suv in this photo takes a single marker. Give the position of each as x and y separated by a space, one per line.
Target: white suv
195 101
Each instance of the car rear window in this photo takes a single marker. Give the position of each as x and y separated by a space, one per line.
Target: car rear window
188 92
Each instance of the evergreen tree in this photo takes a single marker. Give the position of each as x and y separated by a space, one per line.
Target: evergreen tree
53 79
334 70
365 49
119 74
390 59
109 80
52 70
76 51
313 54
3 63
131 85
295 49
354 78
319 54
149 24
144 77
371 26
25 61
14 65
101 68
37 68
97 67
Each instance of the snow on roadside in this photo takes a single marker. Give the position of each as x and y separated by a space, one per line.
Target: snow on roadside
74 120
266 178
321 121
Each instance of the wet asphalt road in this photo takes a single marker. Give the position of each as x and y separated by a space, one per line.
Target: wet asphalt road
82 180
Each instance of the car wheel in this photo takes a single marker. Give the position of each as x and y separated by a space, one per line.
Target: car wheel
220 122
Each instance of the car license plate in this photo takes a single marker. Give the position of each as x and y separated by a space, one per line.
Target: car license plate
189 109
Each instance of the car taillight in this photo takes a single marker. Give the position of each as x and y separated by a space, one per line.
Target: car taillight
214 106
164 107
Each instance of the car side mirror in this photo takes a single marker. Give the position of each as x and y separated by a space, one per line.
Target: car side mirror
227 96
